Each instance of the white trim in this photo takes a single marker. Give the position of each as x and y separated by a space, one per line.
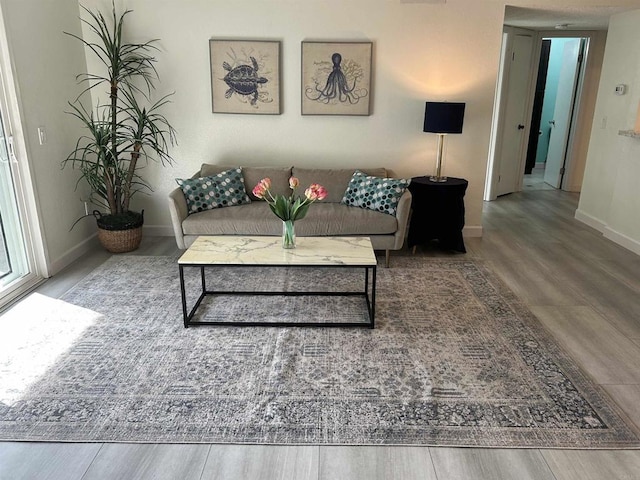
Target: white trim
73 254
18 290
590 220
35 242
622 240
609 233
472 231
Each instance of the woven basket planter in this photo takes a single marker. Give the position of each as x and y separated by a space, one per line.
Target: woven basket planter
120 233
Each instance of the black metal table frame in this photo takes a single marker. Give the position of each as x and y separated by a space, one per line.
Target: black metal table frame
370 300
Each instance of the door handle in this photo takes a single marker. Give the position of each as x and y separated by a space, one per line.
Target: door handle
552 123
520 126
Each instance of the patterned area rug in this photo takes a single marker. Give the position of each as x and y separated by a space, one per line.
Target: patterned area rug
455 359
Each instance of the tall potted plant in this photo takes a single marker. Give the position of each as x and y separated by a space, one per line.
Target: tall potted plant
121 135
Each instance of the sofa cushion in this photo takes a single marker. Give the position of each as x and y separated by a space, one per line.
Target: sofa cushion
334 180
225 189
323 219
252 175
375 193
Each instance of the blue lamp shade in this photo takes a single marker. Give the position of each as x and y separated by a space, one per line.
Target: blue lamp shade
443 117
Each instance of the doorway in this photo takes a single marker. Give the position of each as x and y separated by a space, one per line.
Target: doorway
537 103
554 108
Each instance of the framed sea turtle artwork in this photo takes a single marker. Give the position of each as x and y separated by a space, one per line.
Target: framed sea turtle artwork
245 76
336 78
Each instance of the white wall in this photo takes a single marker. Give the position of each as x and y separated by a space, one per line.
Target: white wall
610 199
421 52
45 62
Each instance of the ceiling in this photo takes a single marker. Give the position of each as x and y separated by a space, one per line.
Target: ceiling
576 18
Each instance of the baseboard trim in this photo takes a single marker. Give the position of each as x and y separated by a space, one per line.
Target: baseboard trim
472 231
608 232
590 220
622 240
73 254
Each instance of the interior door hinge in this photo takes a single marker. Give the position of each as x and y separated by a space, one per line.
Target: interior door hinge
562 171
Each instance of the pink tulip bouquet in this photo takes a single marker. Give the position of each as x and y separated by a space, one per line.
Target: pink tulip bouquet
289 208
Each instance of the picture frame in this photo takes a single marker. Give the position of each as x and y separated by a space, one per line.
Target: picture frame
336 78
245 76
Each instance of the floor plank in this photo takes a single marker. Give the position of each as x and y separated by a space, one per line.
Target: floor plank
535 284
261 462
628 398
126 461
45 461
489 464
602 351
375 463
593 464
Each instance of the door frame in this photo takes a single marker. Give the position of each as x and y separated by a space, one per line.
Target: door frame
33 236
493 166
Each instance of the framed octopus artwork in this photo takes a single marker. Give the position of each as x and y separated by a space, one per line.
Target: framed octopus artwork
245 76
336 78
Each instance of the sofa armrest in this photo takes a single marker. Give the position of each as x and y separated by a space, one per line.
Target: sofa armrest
178 210
402 216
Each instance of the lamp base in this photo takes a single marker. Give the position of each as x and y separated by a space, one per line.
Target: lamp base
437 179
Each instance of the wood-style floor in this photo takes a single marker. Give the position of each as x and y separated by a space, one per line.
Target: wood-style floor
583 288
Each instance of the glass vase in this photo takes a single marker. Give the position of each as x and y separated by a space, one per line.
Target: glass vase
288 234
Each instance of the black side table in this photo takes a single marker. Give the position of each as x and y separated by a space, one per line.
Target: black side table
438 212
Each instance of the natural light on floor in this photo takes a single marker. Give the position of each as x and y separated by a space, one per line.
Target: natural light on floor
33 334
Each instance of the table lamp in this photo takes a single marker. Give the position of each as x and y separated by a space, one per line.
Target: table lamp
442 118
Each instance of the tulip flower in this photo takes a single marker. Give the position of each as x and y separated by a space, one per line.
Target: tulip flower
292 207
266 183
311 194
259 191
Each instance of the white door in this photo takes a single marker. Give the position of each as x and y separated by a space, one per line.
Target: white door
562 114
513 129
21 259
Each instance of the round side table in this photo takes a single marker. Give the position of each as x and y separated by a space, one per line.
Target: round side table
437 212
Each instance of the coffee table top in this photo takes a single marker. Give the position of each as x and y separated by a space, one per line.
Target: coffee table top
244 250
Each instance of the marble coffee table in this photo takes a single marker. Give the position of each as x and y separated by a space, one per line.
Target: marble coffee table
244 251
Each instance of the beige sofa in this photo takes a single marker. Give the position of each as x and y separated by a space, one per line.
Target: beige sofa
328 217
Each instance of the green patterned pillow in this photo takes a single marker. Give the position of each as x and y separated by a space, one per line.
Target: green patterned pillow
226 189
375 193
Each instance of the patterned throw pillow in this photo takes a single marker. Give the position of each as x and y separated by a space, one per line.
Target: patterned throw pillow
375 193
226 189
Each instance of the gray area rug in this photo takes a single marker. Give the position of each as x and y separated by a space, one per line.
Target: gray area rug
455 359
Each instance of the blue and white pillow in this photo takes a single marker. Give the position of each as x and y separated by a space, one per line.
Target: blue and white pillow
226 189
375 193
